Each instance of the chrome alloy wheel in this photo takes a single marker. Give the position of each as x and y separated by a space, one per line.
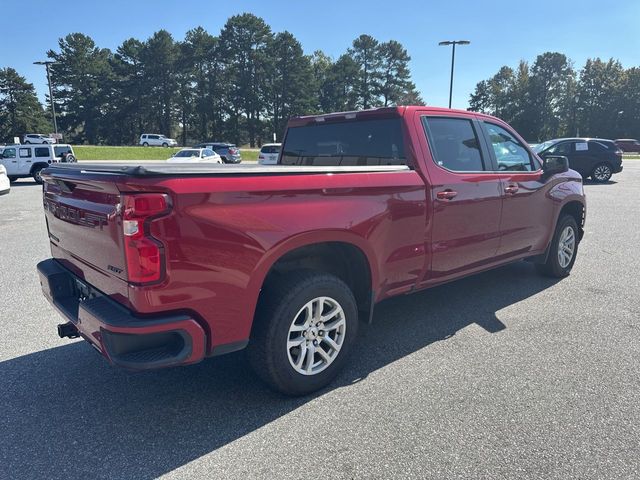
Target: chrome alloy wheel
316 335
602 173
566 246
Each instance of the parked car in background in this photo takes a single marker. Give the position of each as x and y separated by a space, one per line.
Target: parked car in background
628 145
196 155
38 138
156 140
163 266
228 151
591 157
5 183
269 154
27 160
64 153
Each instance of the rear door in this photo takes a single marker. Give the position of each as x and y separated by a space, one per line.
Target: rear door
526 212
465 194
25 159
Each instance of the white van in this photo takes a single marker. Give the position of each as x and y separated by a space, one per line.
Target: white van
27 160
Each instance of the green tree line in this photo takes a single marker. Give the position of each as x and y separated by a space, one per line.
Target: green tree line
241 85
550 98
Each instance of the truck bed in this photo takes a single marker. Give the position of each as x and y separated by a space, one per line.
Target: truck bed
159 169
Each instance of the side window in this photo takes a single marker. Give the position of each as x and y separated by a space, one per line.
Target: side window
41 152
562 148
596 147
581 146
25 152
208 152
511 156
9 153
454 143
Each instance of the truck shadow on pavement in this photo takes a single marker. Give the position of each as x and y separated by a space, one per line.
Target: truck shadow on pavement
67 414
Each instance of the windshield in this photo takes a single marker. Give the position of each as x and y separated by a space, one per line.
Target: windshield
188 153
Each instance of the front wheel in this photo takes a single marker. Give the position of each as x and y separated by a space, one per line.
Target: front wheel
145 144
602 173
305 326
563 249
165 145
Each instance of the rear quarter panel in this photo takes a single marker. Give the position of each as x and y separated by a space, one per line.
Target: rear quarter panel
224 234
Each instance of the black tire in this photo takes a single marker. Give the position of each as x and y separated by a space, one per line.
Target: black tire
70 159
552 267
602 173
27 142
165 145
36 174
280 303
45 143
145 144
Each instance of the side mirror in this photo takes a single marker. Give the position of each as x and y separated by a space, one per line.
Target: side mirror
553 164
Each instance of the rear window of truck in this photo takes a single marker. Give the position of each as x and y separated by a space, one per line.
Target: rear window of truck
361 142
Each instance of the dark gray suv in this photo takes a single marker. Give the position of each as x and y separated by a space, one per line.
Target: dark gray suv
228 151
590 157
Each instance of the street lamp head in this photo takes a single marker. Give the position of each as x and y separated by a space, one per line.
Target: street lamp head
454 42
46 62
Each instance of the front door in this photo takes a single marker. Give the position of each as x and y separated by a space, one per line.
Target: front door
466 196
10 161
526 216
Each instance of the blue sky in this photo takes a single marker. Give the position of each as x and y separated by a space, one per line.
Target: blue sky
501 32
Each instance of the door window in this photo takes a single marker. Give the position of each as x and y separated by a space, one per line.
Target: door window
511 156
25 152
454 143
9 153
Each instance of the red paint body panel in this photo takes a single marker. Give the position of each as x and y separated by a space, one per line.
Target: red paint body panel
224 233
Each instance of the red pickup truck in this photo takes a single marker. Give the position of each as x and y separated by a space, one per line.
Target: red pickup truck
165 264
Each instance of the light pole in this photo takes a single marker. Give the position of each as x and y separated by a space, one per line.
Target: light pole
453 60
53 106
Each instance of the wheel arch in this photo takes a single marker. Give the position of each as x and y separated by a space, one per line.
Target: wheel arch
344 255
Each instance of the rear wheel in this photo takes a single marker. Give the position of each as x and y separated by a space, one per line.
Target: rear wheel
563 249
165 145
145 144
306 324
37 171
27 142
602 173
71 158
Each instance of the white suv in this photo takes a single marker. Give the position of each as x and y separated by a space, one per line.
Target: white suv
38 138
156 140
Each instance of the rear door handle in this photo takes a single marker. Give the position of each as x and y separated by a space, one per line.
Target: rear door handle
446 194
511 189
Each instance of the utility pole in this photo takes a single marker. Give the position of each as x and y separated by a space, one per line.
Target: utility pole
53 105
453 60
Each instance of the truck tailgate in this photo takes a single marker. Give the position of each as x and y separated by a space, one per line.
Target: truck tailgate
85 229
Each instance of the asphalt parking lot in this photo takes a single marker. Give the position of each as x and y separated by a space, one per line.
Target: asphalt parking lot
501 375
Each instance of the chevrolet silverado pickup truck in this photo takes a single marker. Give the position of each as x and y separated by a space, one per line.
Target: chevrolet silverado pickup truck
159 265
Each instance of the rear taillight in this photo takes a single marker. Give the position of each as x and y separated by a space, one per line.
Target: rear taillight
261 157
143 252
